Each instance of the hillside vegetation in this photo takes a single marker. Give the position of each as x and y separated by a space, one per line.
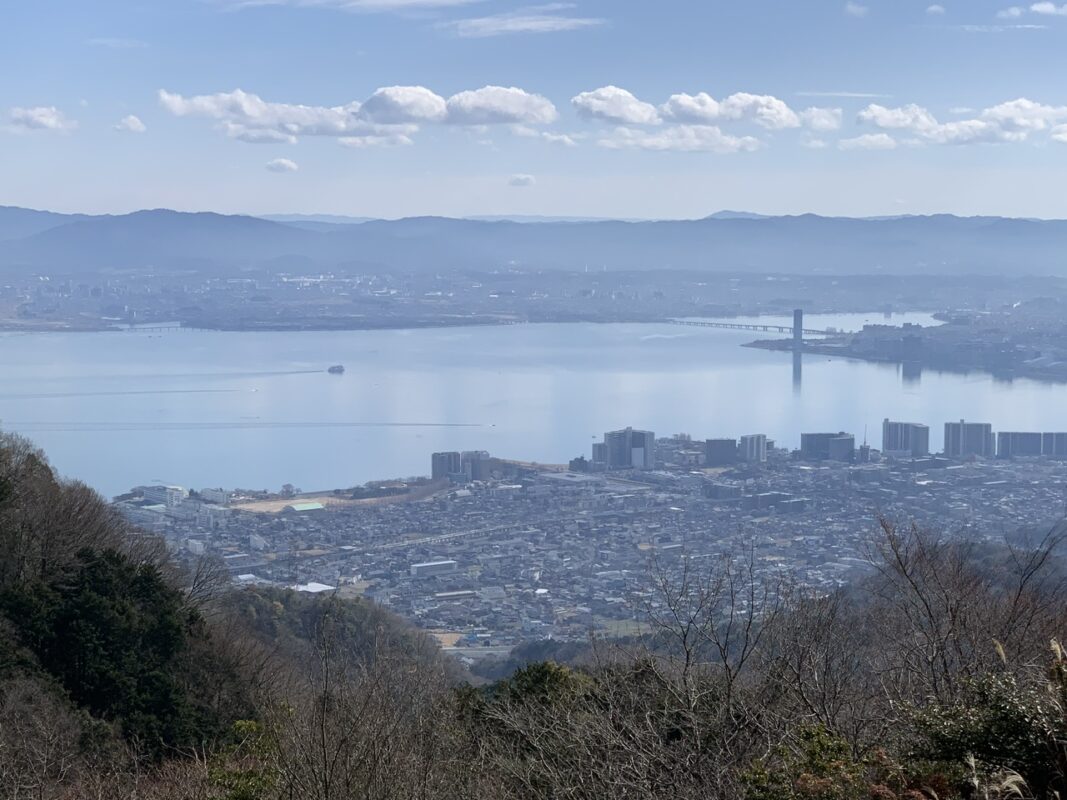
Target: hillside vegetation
122 676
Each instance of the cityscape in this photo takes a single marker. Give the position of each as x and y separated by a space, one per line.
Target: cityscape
488 553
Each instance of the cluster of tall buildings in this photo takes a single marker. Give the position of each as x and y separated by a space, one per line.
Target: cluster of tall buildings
751 449
158 494
630 449
965 439
905 439
839 446
1013 444
900 440
626 449
471 465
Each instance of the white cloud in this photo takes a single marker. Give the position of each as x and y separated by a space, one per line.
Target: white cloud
935 10
565 139
500 105
1059 134
526 132
970 131
1024 115
257 135
869 141
999 28
131 124
770 112
282 165
765 110
252 112
40 118
391 115
393 105
814 144
363 142
1050 9
822 119
680 138
856 10
1045 9
1008 122
522 180
536 19
909 117
700 107
612 104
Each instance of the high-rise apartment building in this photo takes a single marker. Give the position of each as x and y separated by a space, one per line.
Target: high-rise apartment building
600 453
1014 444
753 448
828 447
476 464
630 449
843 448
444 464
720 452
1054 445
905 439
963 439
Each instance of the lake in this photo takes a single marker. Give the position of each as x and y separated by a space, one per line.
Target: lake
257 410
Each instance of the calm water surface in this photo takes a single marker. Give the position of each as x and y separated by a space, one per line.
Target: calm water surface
256 410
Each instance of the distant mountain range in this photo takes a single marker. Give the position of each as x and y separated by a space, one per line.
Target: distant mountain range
42 241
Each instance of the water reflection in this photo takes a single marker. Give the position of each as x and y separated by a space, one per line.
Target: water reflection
912 373
121 409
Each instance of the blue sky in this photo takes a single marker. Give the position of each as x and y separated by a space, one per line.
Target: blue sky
598 108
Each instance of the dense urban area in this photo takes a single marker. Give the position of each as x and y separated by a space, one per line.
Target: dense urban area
488 553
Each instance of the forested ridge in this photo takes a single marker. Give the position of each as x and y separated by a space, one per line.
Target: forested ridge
124 675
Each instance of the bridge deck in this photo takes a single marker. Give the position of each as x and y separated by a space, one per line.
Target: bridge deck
739 326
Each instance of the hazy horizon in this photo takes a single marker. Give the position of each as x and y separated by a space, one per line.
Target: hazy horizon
343 218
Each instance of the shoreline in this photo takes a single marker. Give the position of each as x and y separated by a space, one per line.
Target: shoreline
786 346
414 324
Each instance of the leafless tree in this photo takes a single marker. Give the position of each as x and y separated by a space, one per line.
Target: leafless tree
39 752
821 655
364 725
673 716
943 614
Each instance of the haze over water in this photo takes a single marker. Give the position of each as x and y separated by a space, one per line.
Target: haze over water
257 410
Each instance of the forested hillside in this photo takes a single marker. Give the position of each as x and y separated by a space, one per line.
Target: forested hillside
123 676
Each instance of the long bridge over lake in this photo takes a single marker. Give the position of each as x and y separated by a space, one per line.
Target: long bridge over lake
797 329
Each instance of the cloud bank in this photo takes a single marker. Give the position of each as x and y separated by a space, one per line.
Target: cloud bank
390 116
40 118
